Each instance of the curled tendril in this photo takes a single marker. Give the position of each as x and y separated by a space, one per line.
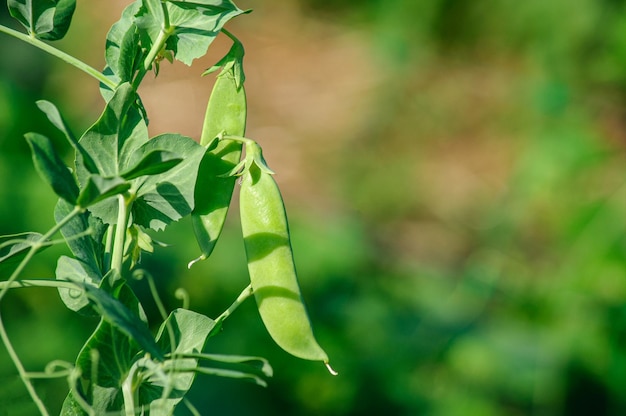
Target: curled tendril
58 367
183 295
139 274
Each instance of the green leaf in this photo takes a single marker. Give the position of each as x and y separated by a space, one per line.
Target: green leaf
108 355
231 64
114 137
98 188
153 163
83 235
13 248
80 272
188 331
117 314
123 52
51 168
57 120
167 197
15 244
44 19
118 144
194 24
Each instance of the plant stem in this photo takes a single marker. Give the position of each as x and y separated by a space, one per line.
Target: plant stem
164 34
61 55
120 233
21 370
128 393
230 35
245 294
35 247
7 285
16 284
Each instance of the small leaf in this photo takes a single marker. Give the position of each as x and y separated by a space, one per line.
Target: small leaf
44 19
122 56
83 235
80 272
231 64
136 242
57 120
153 163
14 247
51 168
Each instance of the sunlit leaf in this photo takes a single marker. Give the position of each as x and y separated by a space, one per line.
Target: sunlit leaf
195 24
168 197
113 138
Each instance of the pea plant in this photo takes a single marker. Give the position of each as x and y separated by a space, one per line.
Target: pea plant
123 184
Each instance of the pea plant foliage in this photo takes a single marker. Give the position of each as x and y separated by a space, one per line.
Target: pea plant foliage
123 183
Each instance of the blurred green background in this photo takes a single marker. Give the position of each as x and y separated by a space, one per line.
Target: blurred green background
454 174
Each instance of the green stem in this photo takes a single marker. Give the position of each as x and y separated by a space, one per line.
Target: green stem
21 370
35 247
61 55
245 294
230 35
17 284
108 248
123 214
157 46
128 393
7 285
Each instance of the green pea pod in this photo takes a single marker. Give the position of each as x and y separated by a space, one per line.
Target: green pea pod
225 114
271 266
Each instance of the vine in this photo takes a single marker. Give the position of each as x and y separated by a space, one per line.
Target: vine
124 183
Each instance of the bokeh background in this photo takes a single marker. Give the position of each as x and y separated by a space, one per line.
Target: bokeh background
454 172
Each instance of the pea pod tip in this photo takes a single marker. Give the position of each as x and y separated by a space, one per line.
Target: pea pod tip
330 369
194 261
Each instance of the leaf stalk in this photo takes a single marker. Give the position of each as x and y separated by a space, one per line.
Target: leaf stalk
77 63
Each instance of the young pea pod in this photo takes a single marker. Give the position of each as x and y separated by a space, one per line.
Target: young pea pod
225 114
270 263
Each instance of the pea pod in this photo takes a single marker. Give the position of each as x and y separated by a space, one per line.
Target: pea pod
225 114
271 266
